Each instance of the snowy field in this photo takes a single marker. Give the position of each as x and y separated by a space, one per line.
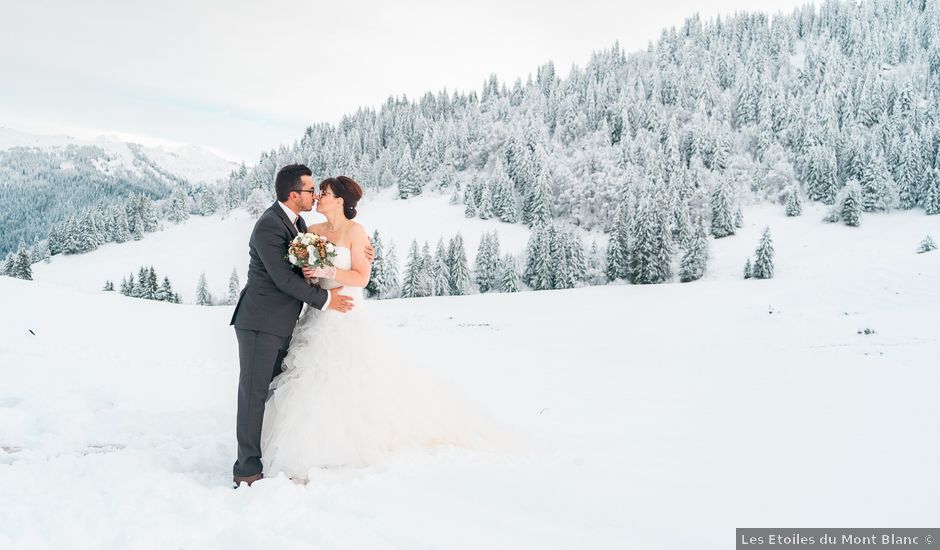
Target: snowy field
659 416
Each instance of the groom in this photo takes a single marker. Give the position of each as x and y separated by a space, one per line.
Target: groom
268 308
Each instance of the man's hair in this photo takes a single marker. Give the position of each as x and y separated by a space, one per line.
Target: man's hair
288 179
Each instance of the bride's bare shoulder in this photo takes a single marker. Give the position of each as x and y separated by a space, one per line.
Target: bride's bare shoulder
356 230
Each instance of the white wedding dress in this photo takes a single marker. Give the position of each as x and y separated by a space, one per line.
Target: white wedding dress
345 398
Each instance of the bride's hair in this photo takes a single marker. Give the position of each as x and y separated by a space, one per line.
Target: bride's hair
348 189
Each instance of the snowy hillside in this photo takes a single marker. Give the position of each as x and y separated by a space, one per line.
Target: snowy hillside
181 253
764 104
711 405
191 162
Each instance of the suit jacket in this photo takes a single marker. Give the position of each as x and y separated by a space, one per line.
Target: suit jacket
276 291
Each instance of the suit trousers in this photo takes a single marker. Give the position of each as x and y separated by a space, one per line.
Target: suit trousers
259 355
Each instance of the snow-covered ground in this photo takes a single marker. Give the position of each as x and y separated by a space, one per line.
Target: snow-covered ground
660 416
217 244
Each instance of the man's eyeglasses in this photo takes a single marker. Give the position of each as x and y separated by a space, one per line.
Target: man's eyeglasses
314 191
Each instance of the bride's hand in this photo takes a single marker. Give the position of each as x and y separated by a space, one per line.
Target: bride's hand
370 252
321 272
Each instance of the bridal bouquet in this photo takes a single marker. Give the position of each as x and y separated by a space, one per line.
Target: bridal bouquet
311 250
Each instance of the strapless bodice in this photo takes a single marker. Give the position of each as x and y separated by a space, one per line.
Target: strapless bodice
342 260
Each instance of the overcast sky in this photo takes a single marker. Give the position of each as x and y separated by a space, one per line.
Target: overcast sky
243 76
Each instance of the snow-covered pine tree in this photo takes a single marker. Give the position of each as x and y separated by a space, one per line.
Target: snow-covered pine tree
171 295
427 264
39 252
851 204
486 266
177 208
426 159
148 214
568 250
457 267
203 297
107 227
932 192
234 288
595 264
748 269
118 231
651 250
764 257
485 204
907 176
722 152
140 289
72 236
413 283
165 291
206 202
539 265
257 202
562 273
9 266
409 182
878 188
127 285
136 224
108 286
56 238
618 243
821 171
469 198
509 277
85 236
232 196
391 285
723 206
501 190
440 274
794 206
22 268
681 224
695 258
535 209
927 245
150 285
377 275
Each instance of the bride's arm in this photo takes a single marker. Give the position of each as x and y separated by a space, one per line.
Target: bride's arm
361 270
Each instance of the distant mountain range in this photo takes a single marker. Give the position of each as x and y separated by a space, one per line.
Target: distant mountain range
194 163
45 179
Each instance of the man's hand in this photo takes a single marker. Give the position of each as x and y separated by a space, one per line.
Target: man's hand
340 302
370 252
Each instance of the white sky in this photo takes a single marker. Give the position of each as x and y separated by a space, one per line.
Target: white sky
243 76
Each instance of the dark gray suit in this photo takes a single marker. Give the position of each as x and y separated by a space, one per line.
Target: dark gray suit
264 319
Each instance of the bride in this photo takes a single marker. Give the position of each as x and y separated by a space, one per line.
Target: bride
344 398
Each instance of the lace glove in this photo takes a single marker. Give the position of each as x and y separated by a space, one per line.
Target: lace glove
320 272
